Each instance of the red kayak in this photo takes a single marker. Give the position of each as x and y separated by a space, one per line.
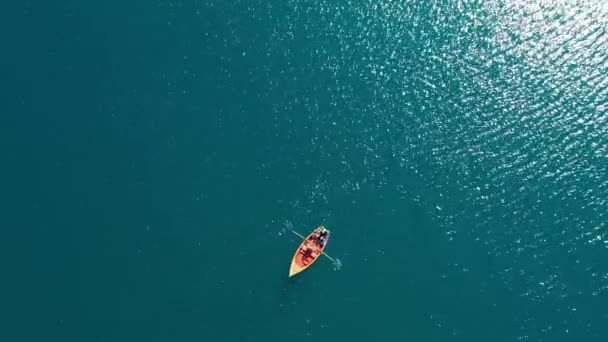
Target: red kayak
309 250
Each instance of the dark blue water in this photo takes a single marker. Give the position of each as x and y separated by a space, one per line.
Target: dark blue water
154 155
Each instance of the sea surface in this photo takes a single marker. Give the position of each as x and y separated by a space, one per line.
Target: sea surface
156 154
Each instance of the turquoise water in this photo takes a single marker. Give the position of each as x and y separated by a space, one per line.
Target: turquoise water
157 152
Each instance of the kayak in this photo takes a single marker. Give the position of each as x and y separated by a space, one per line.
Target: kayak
309 251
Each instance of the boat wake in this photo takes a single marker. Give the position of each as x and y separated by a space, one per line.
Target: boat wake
286 226
337 264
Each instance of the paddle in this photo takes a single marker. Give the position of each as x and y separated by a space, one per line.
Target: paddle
336 262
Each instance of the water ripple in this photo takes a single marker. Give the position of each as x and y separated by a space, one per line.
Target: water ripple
499 108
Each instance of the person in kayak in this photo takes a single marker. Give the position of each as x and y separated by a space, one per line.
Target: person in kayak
307 255
322 239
